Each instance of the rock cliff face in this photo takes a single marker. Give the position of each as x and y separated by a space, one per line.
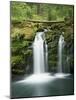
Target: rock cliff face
22 36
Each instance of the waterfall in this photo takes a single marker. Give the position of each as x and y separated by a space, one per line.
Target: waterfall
60 53
46 57
40 53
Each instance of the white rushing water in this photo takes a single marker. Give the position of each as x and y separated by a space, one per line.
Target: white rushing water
60 53
40 53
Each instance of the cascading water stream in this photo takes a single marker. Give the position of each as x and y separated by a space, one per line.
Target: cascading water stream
60 53
40 53
61 71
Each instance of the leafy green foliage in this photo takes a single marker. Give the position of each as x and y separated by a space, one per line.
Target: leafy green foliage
25 11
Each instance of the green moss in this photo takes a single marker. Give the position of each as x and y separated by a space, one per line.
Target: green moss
16 59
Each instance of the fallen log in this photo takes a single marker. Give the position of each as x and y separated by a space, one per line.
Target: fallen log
37 21
41 21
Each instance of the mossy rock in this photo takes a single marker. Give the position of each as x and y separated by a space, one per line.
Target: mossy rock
28 52
17 59
52 63
18 71
53 57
